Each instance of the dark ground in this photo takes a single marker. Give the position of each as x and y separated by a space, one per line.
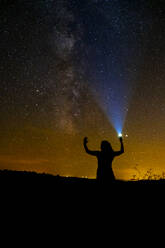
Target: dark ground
6 176
55 197
41 183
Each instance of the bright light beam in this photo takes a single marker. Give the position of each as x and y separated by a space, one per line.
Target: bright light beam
120 135
114 101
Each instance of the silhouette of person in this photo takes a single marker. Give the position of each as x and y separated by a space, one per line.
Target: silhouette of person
105 157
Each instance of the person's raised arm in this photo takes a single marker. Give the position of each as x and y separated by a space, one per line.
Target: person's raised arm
121 148
94 153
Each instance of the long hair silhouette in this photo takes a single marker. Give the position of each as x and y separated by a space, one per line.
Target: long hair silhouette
105 157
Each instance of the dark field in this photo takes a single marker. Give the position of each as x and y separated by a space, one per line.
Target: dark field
25 177
68 195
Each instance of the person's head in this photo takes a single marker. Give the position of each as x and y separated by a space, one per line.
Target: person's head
106 146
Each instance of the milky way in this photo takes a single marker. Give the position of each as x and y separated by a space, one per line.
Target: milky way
62 64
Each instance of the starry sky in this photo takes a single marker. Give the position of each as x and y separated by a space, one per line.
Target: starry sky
75 68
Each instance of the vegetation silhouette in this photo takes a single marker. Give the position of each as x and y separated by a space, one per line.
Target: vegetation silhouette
105 157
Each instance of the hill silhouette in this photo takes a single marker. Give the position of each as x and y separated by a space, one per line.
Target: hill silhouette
41 177
31 176
63 194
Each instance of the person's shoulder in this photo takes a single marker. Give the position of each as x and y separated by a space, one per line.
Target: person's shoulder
98 153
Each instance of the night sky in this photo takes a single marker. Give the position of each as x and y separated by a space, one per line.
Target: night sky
75 68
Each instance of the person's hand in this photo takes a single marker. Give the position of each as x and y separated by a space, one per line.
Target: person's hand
85 140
